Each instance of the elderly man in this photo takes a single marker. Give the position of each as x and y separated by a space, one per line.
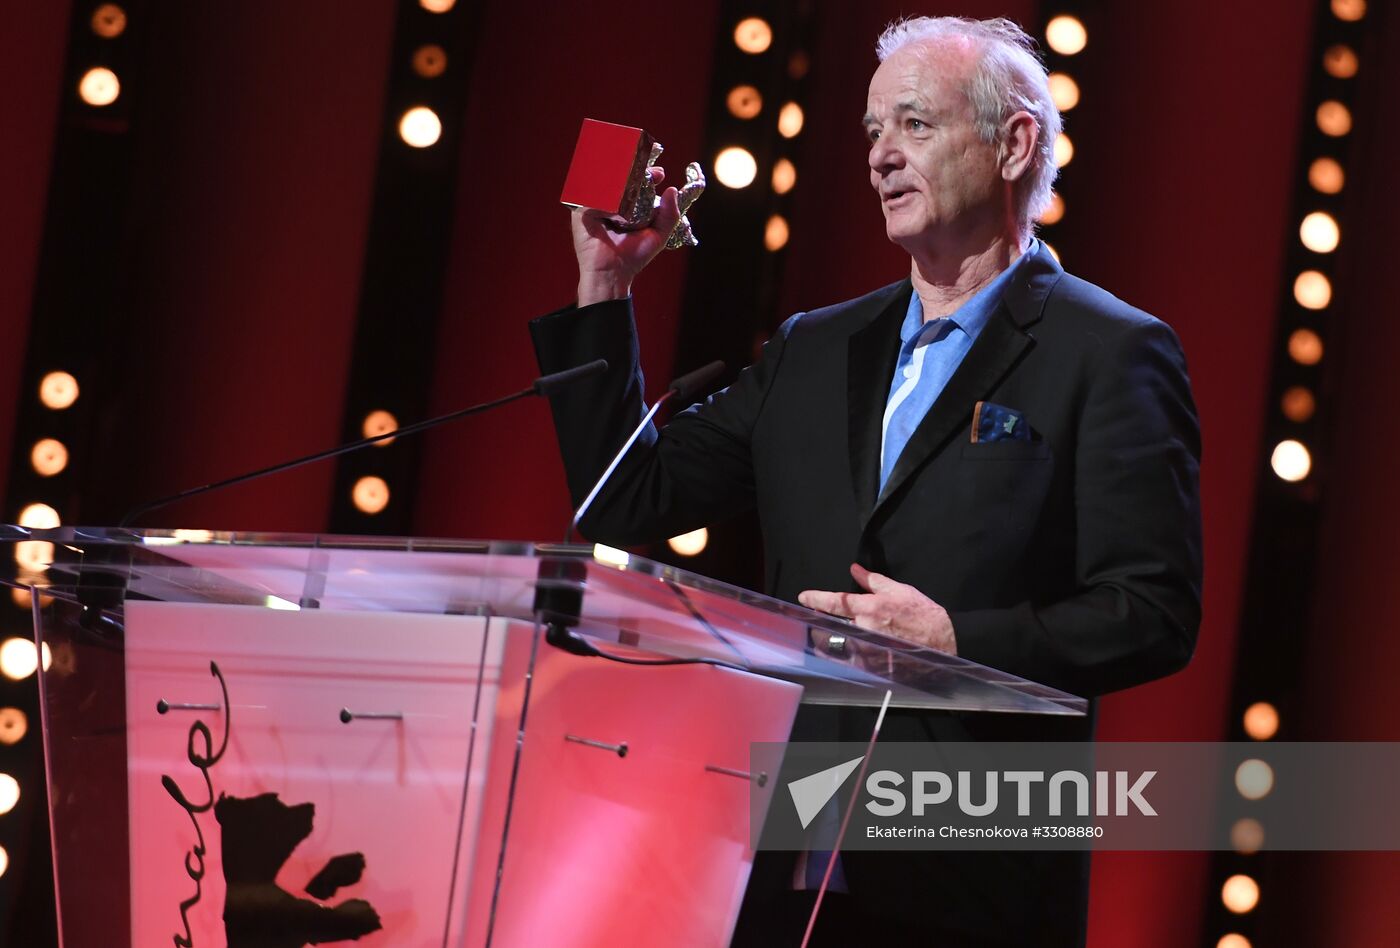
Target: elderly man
991 457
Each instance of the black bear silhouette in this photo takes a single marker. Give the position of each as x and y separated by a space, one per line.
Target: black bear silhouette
258 836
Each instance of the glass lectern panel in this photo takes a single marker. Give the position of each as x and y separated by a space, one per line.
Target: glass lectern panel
422 742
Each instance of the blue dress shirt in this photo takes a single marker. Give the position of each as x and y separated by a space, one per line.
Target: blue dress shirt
929 353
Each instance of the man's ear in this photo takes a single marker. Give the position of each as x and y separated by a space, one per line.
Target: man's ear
1020 134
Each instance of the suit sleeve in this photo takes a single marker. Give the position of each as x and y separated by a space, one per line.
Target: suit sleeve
696 470
1137 607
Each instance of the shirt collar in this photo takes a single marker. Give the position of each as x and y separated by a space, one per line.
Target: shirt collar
973 314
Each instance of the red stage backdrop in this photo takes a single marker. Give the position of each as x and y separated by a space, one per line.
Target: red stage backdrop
260 126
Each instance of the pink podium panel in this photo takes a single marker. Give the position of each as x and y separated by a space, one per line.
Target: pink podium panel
346 828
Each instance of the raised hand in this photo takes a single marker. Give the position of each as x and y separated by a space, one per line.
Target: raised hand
609 259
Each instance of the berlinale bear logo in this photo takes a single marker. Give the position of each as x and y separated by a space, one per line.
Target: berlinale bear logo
259 835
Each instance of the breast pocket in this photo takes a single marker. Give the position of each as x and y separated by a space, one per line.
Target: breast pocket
1002 487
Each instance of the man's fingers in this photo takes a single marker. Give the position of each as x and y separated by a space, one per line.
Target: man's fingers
836 603
657 174
668 212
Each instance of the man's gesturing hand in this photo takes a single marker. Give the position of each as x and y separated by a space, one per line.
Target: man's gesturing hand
890 607
608 259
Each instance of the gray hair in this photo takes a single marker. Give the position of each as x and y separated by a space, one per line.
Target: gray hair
1008 78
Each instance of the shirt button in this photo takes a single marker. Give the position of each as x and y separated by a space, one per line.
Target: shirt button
908 371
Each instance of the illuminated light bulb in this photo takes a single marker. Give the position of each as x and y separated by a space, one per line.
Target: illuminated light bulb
1312 290
1247 836
1298 404
21 597
380 422
1261 720
1240 894
784 176
108 21
1349 10
193 536
58 390
430 61
13 726
775 233
790 119
1305 347
1066 35
735 167
744 102
1340 61
1064 91
4 860
1326 176
1233 940
437 6
1333 118
420 127
39 517
1254 779
99 86
1320 232
370 494
753 35
1291 460
1064 150
18 658
9 793
1055 211
690 544
48 456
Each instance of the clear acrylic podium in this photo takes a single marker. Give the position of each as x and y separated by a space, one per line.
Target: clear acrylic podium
267 740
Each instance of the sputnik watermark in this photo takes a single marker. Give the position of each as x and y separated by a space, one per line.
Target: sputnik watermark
932 788
1126 796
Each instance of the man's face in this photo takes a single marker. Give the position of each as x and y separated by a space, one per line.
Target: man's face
938 182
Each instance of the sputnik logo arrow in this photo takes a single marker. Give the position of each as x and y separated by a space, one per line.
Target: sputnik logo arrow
810 794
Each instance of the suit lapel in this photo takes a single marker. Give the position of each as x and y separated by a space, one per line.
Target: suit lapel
1000 345
996 350
870 359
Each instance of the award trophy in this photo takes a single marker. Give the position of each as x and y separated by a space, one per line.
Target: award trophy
609 173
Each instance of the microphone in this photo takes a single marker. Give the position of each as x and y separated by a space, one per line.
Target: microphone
683 387
544 385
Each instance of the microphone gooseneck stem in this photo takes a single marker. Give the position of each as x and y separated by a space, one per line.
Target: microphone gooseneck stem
612 466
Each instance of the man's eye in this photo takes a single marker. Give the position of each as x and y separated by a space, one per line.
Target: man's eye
916 124
873 134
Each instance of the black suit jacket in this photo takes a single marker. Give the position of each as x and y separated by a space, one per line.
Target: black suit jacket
1073 559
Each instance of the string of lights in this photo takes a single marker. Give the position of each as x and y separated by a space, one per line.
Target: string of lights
1066 38
1291 483
753 135
400 291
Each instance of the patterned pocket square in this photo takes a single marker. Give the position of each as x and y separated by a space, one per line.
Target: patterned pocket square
993 422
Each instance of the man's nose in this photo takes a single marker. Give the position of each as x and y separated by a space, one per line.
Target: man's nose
885 155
